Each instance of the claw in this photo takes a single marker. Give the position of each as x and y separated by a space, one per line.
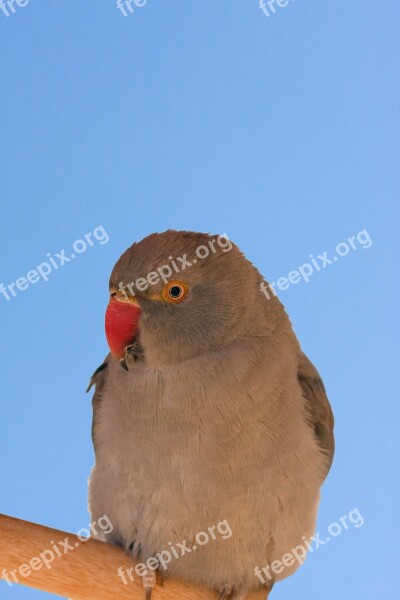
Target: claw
136 350
232 593
225 592
148 582
123 364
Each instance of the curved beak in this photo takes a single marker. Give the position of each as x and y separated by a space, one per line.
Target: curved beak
121 325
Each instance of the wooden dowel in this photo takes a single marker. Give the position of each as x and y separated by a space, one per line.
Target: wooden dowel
88 570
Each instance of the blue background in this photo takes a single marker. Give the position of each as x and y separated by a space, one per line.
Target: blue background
281 131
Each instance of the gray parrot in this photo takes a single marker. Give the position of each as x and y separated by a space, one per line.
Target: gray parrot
206 411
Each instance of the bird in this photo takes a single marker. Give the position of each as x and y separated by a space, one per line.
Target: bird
205 411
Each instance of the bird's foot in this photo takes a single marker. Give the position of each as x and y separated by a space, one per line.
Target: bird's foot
228 592
161 575
148 582
135 548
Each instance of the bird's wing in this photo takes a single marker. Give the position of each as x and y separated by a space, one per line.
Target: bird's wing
319 410
98 379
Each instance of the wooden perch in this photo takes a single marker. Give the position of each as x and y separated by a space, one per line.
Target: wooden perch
88 569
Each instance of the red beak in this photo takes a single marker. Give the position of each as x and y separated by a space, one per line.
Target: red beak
121 324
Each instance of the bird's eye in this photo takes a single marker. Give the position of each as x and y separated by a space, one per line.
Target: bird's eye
175 291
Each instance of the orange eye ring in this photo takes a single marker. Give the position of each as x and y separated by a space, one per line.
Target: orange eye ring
175 291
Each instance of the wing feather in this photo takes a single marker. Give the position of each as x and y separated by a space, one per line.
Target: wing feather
98 379
319 411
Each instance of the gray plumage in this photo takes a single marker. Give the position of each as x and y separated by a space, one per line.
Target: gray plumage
225 418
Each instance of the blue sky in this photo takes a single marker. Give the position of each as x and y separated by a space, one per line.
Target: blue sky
281 131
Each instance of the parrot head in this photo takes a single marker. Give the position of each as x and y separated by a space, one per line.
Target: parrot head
176 295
